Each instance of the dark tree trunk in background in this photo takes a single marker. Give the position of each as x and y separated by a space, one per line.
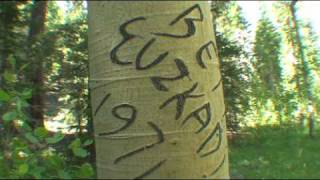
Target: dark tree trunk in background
305 68
37 27
8 19
3 55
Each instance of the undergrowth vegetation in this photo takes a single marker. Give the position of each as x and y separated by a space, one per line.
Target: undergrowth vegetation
276 152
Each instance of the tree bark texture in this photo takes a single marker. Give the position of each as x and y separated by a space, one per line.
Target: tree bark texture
156 90
37 27
305 69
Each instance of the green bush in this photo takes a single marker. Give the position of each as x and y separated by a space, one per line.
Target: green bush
37 153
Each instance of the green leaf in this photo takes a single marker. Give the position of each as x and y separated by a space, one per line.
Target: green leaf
55 161
41 132
26 126
31 138
88 142
64 175
23 67
9 116
23 169
19 104
86 171
4 96
80 152
37 171
26 94
55 139
9 76
12 60
75 144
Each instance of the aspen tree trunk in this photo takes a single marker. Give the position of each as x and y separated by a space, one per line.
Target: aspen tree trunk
156 90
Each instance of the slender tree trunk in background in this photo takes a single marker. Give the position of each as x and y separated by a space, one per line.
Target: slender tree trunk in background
8 19
3 54
305 69
4 21
156 90
37 28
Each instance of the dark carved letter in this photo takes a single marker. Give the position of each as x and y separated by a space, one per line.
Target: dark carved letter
181 100
200 52
216 132
189 21
126 37
142 51
129 120
157 81
196 114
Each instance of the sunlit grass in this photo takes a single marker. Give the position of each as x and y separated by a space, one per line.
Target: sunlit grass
275 152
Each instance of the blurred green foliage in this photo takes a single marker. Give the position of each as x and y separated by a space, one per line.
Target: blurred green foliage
27 152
